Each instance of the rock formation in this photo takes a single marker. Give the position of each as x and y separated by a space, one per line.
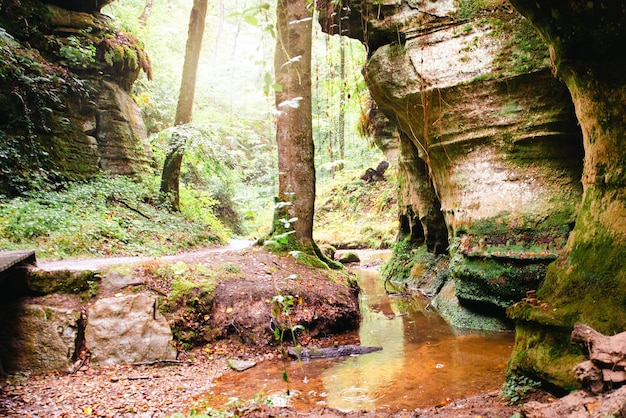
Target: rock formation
65 108
587 283
128 329
490 156
489 149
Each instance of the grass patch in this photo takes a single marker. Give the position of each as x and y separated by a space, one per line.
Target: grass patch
107 216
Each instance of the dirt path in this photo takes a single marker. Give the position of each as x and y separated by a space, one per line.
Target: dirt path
100 263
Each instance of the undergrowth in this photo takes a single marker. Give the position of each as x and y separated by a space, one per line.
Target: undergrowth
353 214
516 387
107 216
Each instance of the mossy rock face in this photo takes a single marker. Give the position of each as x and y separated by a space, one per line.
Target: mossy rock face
52 99
545 353
448 306
70 282
188 309
414 268
494 282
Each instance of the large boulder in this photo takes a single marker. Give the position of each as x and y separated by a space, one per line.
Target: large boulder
128 329
37 338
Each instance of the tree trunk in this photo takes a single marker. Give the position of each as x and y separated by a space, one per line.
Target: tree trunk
296 166
341 126
147 8
170 179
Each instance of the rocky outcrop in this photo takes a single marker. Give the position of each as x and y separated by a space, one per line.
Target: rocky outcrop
499 141
587 283
602 377
64 97
489 147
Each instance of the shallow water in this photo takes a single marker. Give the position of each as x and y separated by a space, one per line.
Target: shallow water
423 362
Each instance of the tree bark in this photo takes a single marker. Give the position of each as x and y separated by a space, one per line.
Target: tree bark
341 125
170 178
296 166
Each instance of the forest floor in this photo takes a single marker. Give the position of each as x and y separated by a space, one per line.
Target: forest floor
160 390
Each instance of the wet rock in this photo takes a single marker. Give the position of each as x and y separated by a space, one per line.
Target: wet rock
240 365
128 329
349 257
447 304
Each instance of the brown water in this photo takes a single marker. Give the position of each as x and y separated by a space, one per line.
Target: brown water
423 362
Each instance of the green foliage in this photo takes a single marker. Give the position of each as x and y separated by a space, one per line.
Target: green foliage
32 90
525 51
78 283
516 387
358 215
78 54
470 9
103 217
332 96
233 167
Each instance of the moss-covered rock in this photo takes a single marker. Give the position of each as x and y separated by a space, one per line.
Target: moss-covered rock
587 281
448 306
52 97
84 283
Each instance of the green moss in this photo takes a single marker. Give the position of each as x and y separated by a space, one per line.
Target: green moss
84 283
188 306
546 354
496 282
523 52
447 305
189 292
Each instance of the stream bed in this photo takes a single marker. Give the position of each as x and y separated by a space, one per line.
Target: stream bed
423 363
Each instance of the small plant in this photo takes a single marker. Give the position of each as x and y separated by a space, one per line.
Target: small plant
281 308
93 288
231 268
516 387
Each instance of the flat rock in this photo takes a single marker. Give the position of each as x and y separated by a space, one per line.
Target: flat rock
240 365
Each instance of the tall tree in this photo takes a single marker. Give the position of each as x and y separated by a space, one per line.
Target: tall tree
341 125
170 178
294 130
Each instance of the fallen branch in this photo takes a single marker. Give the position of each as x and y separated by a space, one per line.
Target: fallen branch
152 363
142 377
115 199
330 352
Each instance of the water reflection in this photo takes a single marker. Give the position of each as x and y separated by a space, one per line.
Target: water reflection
423 362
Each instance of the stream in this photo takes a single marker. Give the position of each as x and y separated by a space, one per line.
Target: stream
423 363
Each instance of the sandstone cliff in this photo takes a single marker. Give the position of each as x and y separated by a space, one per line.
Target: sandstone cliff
490 151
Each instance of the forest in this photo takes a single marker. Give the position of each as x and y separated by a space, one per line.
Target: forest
248 181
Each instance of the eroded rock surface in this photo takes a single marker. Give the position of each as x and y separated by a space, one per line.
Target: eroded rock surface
37 338
64 99
128 329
